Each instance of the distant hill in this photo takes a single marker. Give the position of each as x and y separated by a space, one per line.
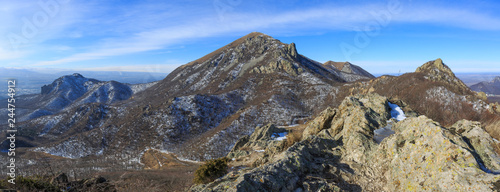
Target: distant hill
71 90
29 81
474 78
489 87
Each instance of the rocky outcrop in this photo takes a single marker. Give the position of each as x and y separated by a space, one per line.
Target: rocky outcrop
339 154
437 71
263 137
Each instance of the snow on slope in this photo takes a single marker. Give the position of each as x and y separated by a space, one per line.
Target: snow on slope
382 133
396 112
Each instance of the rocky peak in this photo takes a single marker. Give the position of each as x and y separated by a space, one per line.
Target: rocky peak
65 83
435 67
496 80
438 71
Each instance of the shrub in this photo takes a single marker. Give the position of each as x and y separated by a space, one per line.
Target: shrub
211 170
32 183
293 136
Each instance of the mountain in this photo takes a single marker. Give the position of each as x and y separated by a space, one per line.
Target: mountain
489 87
439 72
72 90
200 109
29 81
349 70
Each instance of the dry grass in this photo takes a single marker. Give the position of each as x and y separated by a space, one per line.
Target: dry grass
294 136
169 179
491 123
211 170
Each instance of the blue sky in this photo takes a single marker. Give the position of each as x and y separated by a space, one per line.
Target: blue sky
157 36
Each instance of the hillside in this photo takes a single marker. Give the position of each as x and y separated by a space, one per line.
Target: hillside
349 70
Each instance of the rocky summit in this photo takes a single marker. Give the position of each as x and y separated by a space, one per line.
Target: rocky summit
338 153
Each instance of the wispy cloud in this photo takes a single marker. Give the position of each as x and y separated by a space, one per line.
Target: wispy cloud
149 68
95 30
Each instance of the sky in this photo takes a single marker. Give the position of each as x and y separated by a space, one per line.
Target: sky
393 36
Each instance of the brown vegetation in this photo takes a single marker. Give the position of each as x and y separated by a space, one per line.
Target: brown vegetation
412 88
168 179
211 170
294 135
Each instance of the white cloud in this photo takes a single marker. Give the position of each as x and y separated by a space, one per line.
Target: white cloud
146 27
150 68
9 55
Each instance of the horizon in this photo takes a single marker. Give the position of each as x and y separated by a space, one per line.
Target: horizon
383 37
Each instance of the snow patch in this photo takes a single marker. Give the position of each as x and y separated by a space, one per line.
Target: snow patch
396 112
382 133
279 136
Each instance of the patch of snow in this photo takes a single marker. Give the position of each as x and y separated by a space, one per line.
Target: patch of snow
187 160
396 112
141 87
289 126
279 136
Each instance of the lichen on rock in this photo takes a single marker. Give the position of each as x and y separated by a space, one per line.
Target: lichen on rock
338 153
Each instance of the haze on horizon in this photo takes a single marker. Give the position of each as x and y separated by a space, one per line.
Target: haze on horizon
392 36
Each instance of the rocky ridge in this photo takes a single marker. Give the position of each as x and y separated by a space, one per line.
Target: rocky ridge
73 90
349 70
339 154
438 71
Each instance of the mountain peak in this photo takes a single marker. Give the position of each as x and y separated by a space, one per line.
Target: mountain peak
68 82
436 70
496 79
255 34
434 67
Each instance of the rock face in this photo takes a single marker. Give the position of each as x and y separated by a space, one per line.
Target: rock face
340 154
263 137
